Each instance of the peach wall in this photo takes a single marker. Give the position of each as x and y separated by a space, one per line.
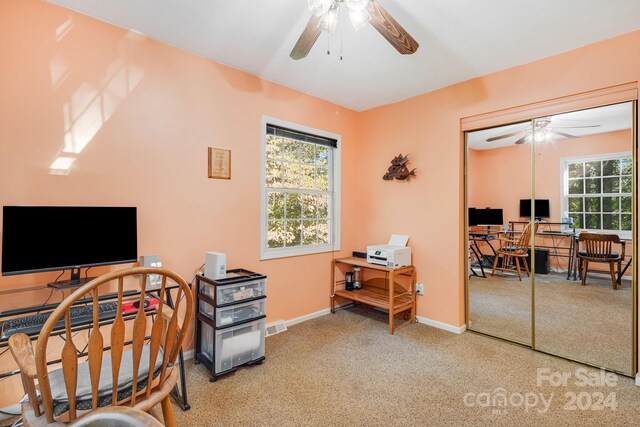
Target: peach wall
140 115
427 126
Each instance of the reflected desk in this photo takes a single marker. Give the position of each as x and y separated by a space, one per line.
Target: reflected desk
485 235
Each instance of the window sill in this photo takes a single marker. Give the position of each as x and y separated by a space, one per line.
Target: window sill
299 251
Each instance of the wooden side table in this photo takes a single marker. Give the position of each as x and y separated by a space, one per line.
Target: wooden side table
378 293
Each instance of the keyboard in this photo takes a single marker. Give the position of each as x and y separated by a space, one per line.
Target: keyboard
80 315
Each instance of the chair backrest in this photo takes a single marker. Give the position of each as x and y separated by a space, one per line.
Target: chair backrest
166 334
523 242
598 245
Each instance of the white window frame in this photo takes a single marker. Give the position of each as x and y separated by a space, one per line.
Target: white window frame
564 185
334 208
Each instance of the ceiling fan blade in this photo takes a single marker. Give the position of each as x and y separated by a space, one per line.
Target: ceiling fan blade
522 140
566 135
506 135
575 127
307 39
384 23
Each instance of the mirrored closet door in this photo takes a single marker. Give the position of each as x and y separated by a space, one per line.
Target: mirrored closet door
583 203
550 241
499 284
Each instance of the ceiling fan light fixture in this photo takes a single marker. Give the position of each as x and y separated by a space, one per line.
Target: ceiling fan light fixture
319 7
329 21
356 5
359 18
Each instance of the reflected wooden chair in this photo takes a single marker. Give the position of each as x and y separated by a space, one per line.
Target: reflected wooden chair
140 376
513 252
598 248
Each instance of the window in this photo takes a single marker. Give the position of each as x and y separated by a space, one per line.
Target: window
300 190
597 192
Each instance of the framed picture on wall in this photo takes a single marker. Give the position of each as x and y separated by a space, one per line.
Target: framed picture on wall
219 163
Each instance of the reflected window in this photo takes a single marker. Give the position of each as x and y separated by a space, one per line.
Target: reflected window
597 192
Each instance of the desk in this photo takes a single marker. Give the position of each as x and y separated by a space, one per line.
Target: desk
486 236
179 394
387 297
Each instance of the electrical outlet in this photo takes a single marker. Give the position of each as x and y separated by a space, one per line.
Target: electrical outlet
420 288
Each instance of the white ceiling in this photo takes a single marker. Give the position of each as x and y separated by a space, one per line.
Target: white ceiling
459 40
611 118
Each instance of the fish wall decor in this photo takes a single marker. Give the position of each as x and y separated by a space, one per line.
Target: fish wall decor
399 169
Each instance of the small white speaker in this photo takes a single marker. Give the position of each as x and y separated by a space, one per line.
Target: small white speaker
153 280
215 265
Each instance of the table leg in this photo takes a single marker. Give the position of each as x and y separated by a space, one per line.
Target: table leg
414 296
333 287
391 303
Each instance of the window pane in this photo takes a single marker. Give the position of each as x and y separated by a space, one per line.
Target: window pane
291 150
322 155
625 223
323 207
309 234
309 202
307 180
576 186
275 205
322 179
610 222
576 170
274 147
294 233
625 166
273 174
576 204
294 206
625 205
275 234
323 232
611 167
593 186
611 185
593 221
626 184
611 204
593 168
291 175
307 153
592 204
577 220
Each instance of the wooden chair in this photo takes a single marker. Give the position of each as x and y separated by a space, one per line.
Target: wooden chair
599 248
66 395
514 250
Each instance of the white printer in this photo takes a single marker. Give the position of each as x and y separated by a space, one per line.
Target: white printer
394 254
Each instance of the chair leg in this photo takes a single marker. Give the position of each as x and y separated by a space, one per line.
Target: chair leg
580 268
584 271
619 271
167 413
495 264
614 279
517 263
526 266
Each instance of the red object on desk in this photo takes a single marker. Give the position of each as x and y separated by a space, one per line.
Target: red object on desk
132 307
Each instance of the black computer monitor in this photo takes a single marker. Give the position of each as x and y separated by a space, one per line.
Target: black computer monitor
473 217
542 207
489 216
47 238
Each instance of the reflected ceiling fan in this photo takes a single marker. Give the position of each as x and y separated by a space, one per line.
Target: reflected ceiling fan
361 12
545 130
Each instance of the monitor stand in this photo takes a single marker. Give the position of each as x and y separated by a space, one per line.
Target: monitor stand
74 281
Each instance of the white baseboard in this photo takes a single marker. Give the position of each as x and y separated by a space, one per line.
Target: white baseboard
441 325
188 354
306 317
638 379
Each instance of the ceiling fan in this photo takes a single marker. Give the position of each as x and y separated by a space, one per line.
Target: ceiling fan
325 18
545 130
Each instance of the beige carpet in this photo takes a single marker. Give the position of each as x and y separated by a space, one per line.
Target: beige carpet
346 370
591 323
